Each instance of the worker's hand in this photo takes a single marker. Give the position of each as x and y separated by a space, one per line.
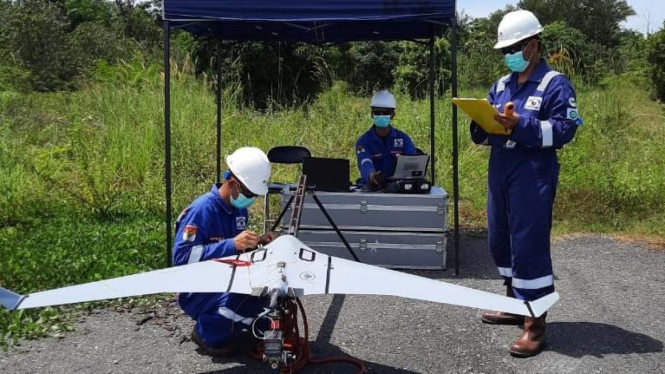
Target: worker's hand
246 240
374 178
267 237
508 121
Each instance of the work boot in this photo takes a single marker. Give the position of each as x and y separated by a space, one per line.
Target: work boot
501 318
532 340
229 349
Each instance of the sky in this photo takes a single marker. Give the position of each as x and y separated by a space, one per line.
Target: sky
650 13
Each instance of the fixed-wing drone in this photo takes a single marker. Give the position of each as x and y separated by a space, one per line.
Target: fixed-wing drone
285 269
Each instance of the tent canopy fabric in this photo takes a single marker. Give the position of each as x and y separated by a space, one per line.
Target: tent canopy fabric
312 21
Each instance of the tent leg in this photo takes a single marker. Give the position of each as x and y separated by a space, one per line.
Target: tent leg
219 111
167 137
453 68
431 109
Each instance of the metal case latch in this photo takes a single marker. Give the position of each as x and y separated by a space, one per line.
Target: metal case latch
439 247
363 207
363 245
440 208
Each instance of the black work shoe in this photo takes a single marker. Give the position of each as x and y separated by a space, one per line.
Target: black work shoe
229 349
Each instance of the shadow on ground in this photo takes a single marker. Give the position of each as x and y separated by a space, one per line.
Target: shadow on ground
579 339
474 257
321 348
475 263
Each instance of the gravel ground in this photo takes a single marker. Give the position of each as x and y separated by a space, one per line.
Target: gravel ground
609 320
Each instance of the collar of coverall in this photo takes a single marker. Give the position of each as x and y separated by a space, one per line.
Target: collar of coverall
215 191
393 133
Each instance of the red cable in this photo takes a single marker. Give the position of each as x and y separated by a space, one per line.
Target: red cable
300 346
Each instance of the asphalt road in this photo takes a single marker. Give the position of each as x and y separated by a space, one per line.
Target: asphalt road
610 319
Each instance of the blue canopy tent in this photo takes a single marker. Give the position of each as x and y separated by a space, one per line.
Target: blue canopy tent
316 22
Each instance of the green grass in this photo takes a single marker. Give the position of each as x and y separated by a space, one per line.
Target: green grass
70 249
81 173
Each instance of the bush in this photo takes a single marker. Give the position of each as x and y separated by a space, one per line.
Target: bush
656 60
564 46
13 78
412 73
92 41
373 66
480 64
37 33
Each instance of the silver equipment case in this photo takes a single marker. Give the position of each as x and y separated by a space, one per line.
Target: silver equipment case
400 231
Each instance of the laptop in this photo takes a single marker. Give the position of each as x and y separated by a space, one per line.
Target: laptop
327 174
410 167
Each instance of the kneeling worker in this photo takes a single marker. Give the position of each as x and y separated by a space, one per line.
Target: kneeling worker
377 149
214 226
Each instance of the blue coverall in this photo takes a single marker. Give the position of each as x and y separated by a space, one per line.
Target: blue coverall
523 176
377 153
204 231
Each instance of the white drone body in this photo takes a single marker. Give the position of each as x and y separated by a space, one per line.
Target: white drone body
284 268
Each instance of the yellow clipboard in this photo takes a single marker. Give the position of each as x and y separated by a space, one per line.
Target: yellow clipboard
482 112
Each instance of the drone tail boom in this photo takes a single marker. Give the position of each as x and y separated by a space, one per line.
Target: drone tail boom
540 306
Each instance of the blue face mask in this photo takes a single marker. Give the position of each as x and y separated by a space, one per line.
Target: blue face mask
382 121
242 201
516 62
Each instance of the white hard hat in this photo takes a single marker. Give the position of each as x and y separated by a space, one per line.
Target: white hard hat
516 26
383 99
252 167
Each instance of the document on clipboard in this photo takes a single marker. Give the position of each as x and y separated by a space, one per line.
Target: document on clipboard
482 112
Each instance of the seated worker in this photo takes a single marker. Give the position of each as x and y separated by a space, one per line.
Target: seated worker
214 226
377 149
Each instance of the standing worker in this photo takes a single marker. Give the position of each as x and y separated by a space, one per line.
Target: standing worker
377 149
523 170
214 226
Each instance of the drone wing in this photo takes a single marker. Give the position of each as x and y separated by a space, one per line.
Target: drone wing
347 277
209 276
317 273
285 264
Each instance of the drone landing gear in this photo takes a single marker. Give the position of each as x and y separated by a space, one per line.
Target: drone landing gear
283 348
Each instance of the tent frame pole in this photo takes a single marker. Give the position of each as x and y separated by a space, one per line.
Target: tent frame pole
432 77
218 98
453 93
167 136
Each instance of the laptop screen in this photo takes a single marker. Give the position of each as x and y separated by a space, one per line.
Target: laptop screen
327 174
411 167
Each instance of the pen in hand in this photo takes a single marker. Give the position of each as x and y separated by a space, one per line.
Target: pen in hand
508 110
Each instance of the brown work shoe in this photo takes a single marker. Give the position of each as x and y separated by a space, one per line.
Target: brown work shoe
227 350
532 340
501 318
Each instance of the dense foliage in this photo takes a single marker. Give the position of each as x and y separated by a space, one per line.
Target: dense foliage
656 63
49 45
